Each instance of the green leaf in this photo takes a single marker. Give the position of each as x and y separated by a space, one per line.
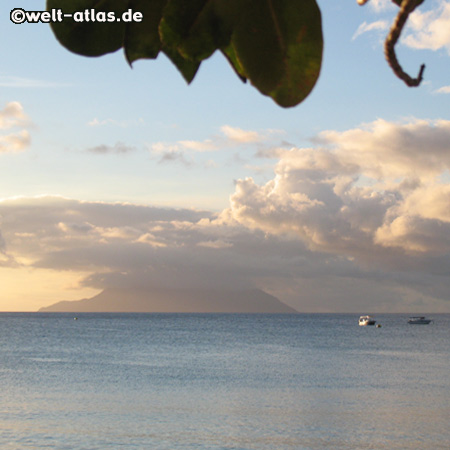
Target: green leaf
230 53
96 36
187 67
211 30
279 45
142 38
178 18
276 44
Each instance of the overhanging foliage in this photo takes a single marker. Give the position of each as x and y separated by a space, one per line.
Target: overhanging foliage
275 44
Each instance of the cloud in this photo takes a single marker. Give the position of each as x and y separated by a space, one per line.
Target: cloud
118 148
169 153
185 151
241 136
360 220
375 193
382 5
367 27
386 149
20 82
15 142
431 29
116 123
315 260
13 117
443 90
199 146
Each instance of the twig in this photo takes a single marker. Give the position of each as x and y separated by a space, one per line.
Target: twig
406 8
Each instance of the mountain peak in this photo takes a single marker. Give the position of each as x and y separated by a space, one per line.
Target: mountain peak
159 300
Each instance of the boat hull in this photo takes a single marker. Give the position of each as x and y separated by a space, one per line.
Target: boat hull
366 320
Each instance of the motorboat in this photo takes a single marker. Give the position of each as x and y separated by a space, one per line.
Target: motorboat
366 320
419 320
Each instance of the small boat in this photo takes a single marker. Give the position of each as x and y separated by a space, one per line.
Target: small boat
366 320
419 320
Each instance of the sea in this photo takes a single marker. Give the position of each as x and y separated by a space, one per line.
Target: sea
223 382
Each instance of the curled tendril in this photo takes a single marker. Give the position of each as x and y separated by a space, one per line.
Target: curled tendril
406 8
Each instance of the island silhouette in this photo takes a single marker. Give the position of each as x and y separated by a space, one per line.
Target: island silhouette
167 300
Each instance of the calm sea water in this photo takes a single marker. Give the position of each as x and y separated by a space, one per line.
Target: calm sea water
275 382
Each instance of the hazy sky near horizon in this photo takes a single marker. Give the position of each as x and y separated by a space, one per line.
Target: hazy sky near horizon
117 176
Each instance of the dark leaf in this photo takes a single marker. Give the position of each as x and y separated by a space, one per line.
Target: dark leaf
187 67
276 44
93 37
279 45
178 18
142 38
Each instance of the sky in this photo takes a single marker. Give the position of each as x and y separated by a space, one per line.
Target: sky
119 176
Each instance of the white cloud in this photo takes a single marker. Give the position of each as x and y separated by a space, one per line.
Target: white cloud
366 27
431 29
241 136
13 117
443 90
199 146
386 149
382 5
364 191
116 123
15 142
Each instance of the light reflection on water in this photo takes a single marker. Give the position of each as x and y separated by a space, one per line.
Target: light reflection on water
222 382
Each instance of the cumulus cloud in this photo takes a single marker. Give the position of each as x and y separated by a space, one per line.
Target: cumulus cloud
430 29
360 220
13 117
386 149
373 193
15 142
128 245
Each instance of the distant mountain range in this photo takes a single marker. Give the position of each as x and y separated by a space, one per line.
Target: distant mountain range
175 301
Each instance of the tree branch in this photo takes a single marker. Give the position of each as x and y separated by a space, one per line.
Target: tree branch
406 8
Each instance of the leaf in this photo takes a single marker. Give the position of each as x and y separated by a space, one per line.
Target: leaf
94 37
178 18
186 67
279 45
276 44
142 38
230 53
211 30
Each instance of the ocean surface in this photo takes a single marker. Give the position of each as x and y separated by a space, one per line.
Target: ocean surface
216 382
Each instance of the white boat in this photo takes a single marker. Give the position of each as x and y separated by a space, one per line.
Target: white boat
366 320
419 320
